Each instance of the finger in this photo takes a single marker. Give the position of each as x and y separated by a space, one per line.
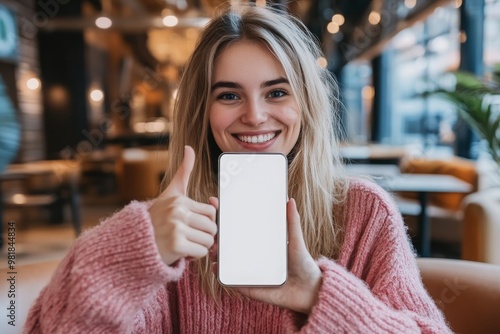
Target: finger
202 223
214 201
180 181
298 251
203 209
201 238
295 236
193 250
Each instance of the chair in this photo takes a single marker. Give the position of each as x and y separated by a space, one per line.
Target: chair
139 173
48 184
467 292
445 209
481 220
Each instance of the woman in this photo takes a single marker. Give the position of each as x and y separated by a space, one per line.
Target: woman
252 84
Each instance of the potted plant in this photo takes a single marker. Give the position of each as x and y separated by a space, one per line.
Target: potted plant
477 101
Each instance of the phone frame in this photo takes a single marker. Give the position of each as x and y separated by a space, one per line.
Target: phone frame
280 250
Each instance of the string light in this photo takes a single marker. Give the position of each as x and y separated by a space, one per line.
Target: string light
322 62
338 19
333 28
374 18
410 3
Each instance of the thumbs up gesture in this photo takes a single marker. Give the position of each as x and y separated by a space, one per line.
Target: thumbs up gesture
183 228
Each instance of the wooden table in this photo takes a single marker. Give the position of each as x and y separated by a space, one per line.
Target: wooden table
375 170
61 169
374 153
423 184
389 177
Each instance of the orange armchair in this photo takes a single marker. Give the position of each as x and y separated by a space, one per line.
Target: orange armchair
467 292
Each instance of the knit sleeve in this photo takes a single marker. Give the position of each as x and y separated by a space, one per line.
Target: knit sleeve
381 291
110 282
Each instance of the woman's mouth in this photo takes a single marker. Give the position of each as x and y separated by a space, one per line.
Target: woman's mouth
257 139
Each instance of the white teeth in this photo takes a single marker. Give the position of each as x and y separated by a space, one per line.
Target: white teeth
257 139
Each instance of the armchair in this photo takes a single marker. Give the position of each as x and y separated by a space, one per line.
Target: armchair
481 220
467 292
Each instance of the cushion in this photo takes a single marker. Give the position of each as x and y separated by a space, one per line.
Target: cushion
461 168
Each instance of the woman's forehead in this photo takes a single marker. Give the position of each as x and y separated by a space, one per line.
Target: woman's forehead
246 58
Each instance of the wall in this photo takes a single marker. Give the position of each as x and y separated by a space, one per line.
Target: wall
28 102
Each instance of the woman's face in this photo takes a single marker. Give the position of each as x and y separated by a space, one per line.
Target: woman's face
251 106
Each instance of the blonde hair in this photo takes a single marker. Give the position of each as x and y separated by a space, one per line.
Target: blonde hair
316 178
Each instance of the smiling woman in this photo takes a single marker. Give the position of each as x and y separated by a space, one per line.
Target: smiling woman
252 106
252 84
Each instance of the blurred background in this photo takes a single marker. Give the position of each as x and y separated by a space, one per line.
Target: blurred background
87 90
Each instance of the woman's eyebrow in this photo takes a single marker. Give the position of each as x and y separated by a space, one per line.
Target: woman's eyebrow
225 84
231 84
274 82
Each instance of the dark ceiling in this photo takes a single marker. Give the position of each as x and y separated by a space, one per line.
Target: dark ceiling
356 39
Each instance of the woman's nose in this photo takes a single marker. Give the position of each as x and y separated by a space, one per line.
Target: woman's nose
255 113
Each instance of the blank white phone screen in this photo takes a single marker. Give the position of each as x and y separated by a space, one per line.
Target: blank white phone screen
252 235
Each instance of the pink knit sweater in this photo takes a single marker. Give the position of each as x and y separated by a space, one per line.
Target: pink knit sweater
113 281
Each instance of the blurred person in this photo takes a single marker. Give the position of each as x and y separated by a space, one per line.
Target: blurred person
10 132
251 85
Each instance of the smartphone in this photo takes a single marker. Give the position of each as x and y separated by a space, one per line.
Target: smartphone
252 226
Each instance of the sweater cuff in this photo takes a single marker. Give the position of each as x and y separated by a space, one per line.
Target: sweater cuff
121 258
339 297
344 303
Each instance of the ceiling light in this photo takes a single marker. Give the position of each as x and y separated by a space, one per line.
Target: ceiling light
103 22
96 95
19 199
170 21
33 83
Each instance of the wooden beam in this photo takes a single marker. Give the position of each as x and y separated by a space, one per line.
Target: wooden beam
378 45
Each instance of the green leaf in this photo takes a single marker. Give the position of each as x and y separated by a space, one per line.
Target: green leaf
468 97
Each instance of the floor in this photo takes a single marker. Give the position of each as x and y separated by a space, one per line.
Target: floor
38 240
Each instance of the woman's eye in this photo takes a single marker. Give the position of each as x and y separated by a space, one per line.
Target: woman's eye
228 96
277 93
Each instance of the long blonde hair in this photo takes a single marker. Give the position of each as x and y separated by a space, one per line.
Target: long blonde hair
316 178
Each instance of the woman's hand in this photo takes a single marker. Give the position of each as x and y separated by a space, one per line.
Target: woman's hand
182 226
301 289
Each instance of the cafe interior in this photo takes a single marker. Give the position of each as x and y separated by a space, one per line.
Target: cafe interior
87 89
